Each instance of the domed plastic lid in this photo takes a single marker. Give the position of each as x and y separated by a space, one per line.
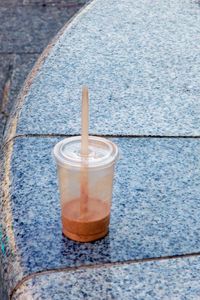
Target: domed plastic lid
102 152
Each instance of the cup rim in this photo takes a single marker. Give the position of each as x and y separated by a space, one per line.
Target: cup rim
70 162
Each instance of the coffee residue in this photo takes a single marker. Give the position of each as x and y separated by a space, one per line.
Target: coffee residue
91 225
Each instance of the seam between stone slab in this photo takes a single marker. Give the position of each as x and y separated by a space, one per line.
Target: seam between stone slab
136 136
99 266
68 269
39 63
21 98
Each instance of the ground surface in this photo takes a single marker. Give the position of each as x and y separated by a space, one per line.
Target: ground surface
140 60
26 28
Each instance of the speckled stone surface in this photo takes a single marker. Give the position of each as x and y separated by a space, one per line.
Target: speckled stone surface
141 62
171 279
155 210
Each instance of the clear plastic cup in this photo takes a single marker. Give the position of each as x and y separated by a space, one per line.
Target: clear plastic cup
85 184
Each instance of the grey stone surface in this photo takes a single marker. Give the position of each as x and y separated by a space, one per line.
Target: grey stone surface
155 209
3 292
29 28
10 2
6 62
13 71
55 2
141 62
171 279
2 126
25 29
42 2
22 65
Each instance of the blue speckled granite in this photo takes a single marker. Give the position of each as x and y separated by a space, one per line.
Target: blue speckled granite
155 208
172 279
141 61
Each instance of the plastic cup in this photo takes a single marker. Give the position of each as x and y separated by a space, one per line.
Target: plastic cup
85 185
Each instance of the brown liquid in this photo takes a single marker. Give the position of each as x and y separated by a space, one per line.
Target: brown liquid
90 226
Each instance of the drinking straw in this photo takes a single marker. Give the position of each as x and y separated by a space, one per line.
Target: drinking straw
84 151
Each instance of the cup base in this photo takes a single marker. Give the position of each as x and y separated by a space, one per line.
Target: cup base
89 225
85 238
